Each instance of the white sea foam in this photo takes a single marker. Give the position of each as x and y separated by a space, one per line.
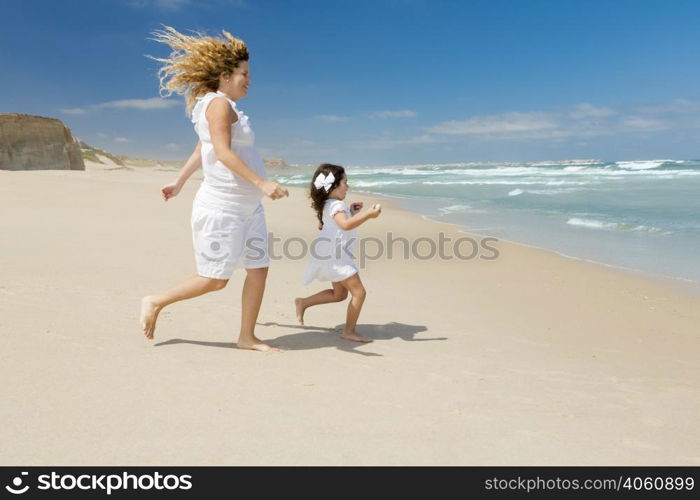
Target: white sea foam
516 192
559 163
613 226
549 192
460 209
542 182
378 183
642 165
454 209
531 172
291 180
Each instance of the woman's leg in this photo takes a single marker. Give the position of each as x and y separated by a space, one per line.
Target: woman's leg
358 292
251 299
151 305
337 294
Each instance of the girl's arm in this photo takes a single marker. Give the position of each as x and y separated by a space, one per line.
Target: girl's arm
220 117
346 223
191 165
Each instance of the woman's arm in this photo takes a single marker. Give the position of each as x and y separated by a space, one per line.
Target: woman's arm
346 223
220 117
191 165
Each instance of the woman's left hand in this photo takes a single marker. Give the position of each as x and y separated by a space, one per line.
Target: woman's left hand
170 191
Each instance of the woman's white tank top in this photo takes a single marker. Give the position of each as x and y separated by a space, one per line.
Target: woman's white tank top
220 184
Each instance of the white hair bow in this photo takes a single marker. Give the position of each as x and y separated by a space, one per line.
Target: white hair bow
324 181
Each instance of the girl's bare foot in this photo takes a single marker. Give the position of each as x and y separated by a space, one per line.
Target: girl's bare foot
298 303
149 315
354 336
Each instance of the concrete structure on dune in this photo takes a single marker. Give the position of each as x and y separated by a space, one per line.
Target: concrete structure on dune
29 142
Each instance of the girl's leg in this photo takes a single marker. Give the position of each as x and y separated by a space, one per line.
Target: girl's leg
337 294
251 299
151 305
358 292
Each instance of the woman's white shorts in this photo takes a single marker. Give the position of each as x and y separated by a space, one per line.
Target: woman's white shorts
227 239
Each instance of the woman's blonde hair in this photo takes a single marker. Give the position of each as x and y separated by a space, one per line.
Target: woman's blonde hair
196 62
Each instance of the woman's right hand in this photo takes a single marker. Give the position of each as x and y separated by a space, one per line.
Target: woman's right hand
170 191
273 190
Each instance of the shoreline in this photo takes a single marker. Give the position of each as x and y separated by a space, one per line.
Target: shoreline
683 285
677 283
668 258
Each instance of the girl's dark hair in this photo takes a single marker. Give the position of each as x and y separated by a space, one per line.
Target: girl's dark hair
319 196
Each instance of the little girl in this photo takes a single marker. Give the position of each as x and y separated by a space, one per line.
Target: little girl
332 252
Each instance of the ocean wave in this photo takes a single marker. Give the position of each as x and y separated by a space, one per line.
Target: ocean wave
548 192
529 172
541 167
396 171
292 180
514 183
378 183
649 172
642 165
613 226
456 209
516 192
561 163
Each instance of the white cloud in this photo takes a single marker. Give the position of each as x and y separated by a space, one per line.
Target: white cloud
73 111
679 106
405 113
172 5
641 123
151 103
140 104
176 5
586 110
121 139
496 124
171 146
333 118
582 120
388 142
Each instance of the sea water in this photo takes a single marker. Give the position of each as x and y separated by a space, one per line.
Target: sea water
643 216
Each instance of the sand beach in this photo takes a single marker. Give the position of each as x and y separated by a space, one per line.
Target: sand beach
526 359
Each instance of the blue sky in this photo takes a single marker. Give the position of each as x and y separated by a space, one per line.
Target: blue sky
376 82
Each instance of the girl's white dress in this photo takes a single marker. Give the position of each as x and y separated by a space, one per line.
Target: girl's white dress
332 253
228 220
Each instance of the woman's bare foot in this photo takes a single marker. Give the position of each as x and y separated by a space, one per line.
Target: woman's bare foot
149 315
354 336
298 303
256 345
